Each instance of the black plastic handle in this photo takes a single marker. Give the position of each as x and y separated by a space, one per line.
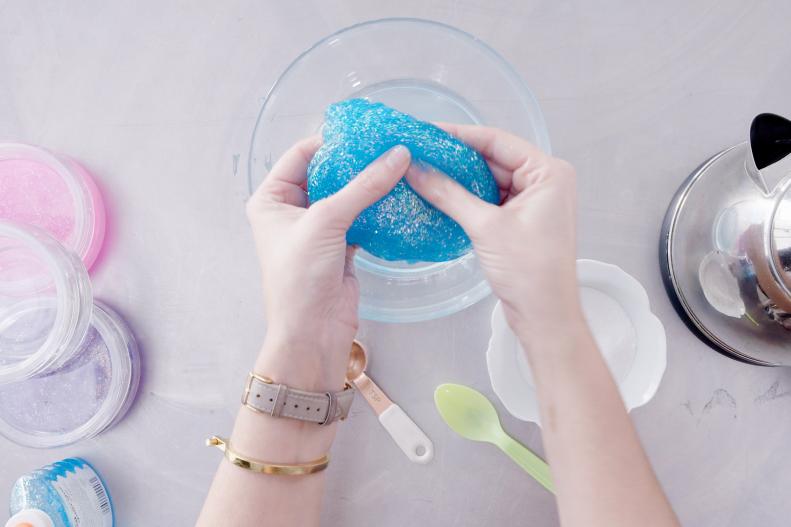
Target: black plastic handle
770 139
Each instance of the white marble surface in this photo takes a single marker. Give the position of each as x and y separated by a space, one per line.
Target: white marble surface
159 100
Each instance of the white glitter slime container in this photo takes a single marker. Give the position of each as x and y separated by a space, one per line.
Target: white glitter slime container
84 397
45 302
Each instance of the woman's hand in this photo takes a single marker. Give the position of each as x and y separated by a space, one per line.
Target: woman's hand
310 292
526 246
311 298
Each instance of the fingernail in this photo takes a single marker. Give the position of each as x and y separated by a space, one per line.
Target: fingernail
416 173
422 172
397 156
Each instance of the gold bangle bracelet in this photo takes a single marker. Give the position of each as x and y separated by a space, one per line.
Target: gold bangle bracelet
262 467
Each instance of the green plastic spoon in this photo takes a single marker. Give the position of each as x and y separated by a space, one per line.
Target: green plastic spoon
470 414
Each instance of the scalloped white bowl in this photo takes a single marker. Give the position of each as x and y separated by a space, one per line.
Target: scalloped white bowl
630 337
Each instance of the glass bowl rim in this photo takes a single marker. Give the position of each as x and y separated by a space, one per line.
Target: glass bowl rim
542 134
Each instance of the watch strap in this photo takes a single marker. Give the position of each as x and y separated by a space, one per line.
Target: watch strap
263 395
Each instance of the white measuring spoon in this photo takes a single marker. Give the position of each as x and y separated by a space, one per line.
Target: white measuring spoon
407 435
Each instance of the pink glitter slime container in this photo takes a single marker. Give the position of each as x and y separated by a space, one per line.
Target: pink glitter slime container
55 193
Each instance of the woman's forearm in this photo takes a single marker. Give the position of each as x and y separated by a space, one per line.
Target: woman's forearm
311 298
601 474
242 498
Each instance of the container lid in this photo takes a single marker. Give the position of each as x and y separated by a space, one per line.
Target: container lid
30 518
45 302
86 395
54 193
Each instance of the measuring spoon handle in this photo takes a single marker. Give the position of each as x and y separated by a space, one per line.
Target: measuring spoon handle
531 463
372 393
407 435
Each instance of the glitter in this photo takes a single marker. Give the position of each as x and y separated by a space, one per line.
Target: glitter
54 193
63 400
34 194
83 397
401 225
67 493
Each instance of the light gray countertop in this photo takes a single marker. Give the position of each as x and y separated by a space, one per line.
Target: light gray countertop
159 100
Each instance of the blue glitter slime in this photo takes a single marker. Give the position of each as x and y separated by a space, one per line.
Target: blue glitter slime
402 225
69 492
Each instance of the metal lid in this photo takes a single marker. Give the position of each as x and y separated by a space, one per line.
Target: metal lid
725 249
711 238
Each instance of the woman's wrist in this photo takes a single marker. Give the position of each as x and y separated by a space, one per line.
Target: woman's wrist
311 359
561 346
279 439
551 324
545 320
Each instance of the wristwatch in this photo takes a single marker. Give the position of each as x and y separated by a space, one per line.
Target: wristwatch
263 395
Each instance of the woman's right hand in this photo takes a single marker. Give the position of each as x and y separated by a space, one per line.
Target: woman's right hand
526 246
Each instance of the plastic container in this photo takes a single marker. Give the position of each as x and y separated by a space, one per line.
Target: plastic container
68 493
430 70
54 193
45 302
82 398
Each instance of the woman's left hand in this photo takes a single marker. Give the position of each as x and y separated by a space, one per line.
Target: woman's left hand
310 292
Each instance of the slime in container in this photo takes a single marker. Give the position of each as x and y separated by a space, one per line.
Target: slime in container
68 493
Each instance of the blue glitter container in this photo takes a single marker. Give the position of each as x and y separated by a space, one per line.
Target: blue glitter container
68 493
431 71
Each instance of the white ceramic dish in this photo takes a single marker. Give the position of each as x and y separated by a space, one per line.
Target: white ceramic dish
629 335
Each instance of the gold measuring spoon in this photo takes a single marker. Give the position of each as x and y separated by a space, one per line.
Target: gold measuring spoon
406 434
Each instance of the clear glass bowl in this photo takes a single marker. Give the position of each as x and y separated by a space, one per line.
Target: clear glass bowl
427 69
